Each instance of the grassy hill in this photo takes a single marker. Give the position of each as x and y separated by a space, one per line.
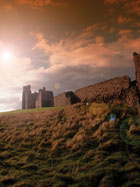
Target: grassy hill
76 146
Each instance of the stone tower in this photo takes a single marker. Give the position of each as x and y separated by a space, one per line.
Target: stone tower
26 96
136 57
44 98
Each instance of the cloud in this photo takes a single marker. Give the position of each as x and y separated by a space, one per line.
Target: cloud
124 32
8 8
111 30
129 7
74 51
137 24
41 3
112 1
133 7
122 20
87 58
84 49
9 102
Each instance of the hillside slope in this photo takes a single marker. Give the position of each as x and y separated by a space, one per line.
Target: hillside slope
77 146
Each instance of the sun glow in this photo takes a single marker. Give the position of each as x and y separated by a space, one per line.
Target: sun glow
7 56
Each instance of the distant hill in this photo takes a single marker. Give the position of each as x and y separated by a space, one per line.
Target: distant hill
76 146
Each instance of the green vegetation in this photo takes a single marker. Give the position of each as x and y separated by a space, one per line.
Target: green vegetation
76 146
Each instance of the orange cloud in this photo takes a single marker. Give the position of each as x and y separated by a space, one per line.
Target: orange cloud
111 1
122 20
133 7
111 30
85 49
41 3
73 62
8 7
125 35
137 24
124 32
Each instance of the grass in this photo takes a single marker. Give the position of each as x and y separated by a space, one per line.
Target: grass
30 110
76 146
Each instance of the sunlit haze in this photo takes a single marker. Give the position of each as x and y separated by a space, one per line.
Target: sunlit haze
6 56
64 45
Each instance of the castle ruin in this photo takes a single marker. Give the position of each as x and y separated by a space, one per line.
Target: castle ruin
120 90
36 100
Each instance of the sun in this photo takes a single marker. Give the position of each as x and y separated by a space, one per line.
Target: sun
7 55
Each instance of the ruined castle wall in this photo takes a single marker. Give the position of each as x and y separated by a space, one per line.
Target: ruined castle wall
50 99
27 99
66 98
45 99
32 101
36 100
137 67
117 90
61 100
26 96
39 101
130 96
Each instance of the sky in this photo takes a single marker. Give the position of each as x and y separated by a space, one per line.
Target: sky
64 44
